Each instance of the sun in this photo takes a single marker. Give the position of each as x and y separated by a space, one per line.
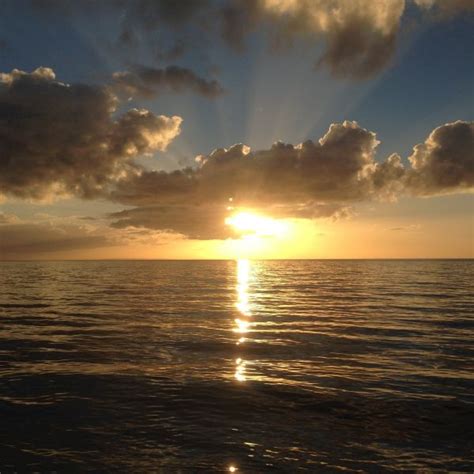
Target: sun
251 224
257 235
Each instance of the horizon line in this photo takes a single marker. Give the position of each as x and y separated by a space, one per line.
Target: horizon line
230 259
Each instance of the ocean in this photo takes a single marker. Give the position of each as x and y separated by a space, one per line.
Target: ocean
247 366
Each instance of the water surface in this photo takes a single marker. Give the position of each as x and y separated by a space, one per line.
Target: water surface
190 366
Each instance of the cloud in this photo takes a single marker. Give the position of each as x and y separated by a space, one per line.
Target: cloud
147 82
58 139
359 36
323 178
444 163
445 9
339 167
45 235
61 139
389 178
156 187
314 210
310 180
193 221
8 218
363 40
207 221
407 228
27 240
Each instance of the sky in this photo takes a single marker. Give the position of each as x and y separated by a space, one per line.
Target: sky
236 129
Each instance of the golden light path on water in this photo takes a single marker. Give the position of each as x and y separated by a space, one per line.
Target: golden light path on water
253 228
243 322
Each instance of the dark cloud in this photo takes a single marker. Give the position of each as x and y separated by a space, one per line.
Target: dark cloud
208 221
310 180
360 36
156 187
315 179
445 9
58 139
450 8
357 48
147 82
193 221
28 240
389 178
314 210
444 163
339 167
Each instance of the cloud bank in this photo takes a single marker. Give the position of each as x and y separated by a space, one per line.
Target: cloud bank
68 140
30 239
339 167
314 179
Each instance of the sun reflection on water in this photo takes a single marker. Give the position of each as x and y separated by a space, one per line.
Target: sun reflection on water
243 273
243 322
240 370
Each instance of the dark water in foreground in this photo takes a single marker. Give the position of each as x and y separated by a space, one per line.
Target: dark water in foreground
261 366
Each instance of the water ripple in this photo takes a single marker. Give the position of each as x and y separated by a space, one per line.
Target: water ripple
318 366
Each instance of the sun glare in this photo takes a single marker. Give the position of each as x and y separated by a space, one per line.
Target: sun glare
257 236
250 224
